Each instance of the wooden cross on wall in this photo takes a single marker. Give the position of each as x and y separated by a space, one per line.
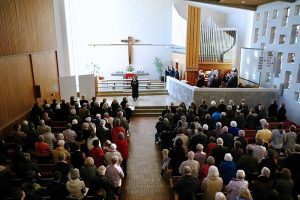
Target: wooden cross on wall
130 41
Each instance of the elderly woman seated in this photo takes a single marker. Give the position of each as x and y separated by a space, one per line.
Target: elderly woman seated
75 186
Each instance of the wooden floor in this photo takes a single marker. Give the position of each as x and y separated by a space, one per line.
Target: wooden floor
144 181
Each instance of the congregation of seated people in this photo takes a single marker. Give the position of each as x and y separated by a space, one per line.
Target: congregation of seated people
210 152
66 150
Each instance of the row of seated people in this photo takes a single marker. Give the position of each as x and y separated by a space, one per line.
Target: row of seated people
247 118
66 111
103 182
77 141
228 150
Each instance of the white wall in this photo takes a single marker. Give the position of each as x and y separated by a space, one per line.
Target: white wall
108 22
61 38
293 107
242 20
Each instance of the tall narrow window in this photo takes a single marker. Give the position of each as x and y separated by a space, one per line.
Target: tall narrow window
270 53
288 80
281 39
278 64
265 24
275 14
291 58
297 9
298 77
257 17
297 96
256 35
295 34
272 35
285 17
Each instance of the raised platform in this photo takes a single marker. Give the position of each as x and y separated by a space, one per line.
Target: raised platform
187 93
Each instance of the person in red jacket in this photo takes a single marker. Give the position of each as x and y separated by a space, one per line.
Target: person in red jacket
97 153
42 150
122 147
116 130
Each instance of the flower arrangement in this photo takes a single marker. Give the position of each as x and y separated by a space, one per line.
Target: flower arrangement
129 68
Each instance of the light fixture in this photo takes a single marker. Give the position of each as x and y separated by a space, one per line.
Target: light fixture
243 2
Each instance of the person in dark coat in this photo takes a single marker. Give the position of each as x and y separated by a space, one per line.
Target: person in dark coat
135 88
227 138
248 163
219 152
63 167
233 81
77 157
187 185
177 155
281 113
201 81
292 162
56 189
263 185
102 181
272 109
285 185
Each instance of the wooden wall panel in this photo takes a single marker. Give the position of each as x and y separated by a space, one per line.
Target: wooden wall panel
37 26
27 56
45 72
17 93
9 29
193 43
26 26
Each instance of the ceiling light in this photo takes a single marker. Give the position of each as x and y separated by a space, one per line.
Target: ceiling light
243 2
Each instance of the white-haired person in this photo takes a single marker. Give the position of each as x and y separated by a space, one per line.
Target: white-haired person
220 196
75 186
212 184
112 152
193 164
49 137
213 108
263 185
200 155
218 130
227 168
60 148
88 171
236 184
233 129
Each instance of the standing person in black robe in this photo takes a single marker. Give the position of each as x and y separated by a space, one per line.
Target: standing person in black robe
135 88
233 80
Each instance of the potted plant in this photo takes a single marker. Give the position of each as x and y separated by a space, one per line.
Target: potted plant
159 67
95 69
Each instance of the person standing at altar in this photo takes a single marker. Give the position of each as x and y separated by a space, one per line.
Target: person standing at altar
135 88
233 80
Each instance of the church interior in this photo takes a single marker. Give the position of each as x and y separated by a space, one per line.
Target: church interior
130 99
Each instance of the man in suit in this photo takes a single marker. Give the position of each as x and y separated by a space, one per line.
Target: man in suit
233 80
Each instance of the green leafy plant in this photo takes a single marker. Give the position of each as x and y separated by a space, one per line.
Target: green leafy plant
159 66
93 68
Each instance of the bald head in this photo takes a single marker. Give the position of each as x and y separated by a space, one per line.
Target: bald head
191 155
